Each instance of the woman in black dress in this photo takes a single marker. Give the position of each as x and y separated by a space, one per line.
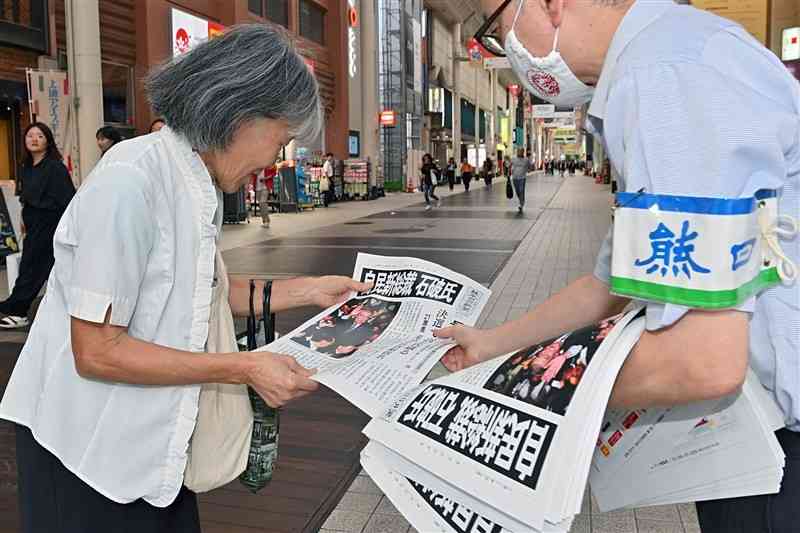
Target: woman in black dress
45 191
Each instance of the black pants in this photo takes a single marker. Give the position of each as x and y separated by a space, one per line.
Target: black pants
466 177
771 513
53 500
37 260
451 179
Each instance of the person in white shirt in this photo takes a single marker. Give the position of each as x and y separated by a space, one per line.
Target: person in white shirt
664 81
105 392
326 180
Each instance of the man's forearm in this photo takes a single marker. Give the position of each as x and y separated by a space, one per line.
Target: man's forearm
701 357
583 302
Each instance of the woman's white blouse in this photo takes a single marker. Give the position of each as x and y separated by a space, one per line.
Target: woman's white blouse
139 237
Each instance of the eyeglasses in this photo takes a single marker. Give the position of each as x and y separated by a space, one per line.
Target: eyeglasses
490 40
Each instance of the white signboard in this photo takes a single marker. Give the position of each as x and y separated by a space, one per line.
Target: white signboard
791 44
417 31
544 111
564 114
491 63
51 103
188 31
352 39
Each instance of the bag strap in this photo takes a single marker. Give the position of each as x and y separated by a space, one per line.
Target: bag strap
251 320
268 316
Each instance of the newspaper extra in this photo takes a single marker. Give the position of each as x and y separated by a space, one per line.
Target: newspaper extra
493 427
431 510
380 343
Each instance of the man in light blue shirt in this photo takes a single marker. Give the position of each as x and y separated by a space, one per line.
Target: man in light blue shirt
687 104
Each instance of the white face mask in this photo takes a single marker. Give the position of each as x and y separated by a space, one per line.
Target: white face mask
549 78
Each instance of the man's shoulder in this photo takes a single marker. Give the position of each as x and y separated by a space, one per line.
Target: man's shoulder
701 42
680 35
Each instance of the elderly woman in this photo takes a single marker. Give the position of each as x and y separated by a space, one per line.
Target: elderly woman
105 392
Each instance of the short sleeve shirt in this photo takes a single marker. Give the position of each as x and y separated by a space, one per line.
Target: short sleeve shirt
138 237
713 114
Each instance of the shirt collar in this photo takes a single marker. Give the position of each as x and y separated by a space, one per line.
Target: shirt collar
639 16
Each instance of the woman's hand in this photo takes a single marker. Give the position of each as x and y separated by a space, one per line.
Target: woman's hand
471 348
330 290
278 379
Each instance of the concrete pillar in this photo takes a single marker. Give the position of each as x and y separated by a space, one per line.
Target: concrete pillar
477 72
83 67
456 53
369 80
491 129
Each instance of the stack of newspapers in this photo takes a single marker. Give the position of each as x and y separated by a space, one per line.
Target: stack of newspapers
504 445
509 444
705 451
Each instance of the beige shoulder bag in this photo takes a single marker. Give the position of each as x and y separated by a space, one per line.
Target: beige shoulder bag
220 443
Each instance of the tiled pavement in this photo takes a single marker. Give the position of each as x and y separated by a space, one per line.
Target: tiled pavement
560 247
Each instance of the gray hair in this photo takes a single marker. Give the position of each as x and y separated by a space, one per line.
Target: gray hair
252 71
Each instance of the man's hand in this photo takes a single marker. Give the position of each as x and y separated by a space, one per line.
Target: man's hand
470 350
330 290
278 379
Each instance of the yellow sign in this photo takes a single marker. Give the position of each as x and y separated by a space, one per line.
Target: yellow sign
565 135
752 14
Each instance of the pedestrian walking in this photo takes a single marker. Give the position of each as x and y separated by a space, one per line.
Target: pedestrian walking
326 180
519 174
105 396
466 174
107 136
263 192
428 171
45 189
451 173
488 171
649 93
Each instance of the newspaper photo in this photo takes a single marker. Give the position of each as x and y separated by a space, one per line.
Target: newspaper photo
516 433
379 344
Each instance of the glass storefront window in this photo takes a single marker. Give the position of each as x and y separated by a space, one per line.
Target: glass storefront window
117 93
276 11
312 21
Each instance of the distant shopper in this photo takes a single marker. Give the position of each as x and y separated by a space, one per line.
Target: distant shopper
157 125
488 171
326 180
451 173
519 172
428 170
262 194
107 136
46 190
466 174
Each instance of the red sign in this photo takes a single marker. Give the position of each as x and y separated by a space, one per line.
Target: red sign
476 51
514 89
630 420
615 438
388 118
